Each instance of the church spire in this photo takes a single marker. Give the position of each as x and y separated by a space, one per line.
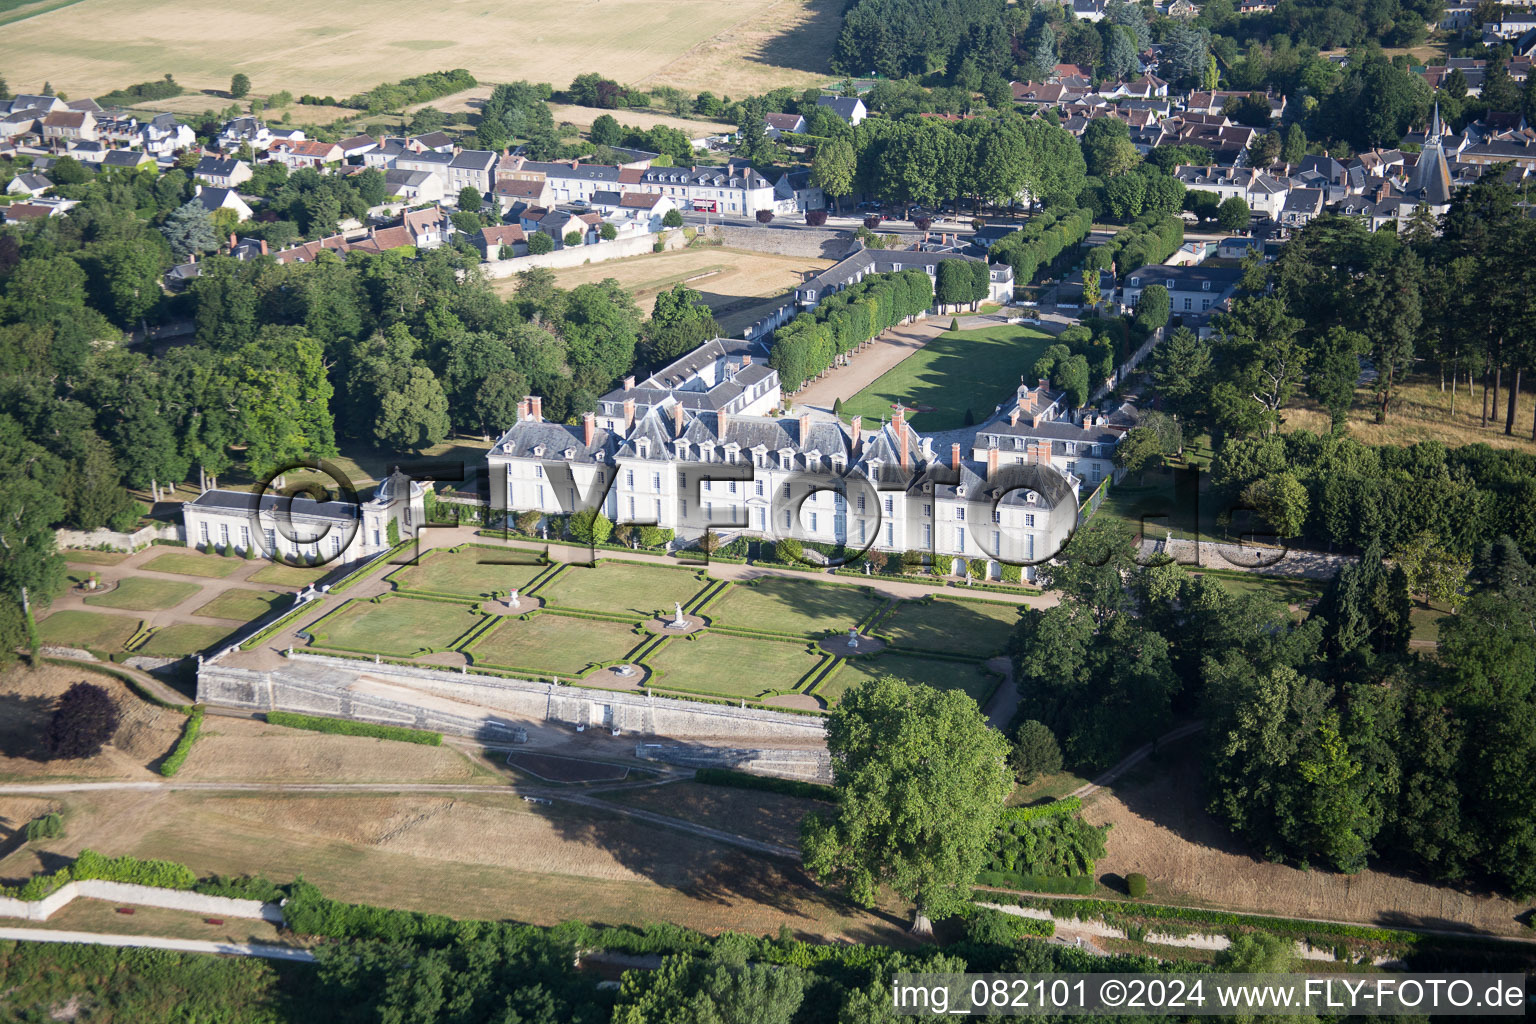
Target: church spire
1435 131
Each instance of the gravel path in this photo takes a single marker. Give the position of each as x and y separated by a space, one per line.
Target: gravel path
259 949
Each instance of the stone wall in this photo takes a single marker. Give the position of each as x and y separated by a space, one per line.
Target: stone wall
785 240
812 765
322 685
577 255
120 541
138 895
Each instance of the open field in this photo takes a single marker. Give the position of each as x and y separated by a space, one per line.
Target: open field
141 594
953 373
190 563
231 749
96 631
557 644
474 572
736 284
244 605
645 120
182 639
399 626
772 817
1423 413
1162 830
94 46
471 855
978 628
145 732
730 666
941 674
774 604
622 588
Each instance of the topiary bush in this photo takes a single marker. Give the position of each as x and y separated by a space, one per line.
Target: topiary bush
789 551
1136 885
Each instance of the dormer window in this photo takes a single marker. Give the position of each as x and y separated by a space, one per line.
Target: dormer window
960 493
643 448
538 451
570 453
598 456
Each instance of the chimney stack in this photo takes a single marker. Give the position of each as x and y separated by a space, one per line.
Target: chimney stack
263 246
588 428
1041 451
536 408
805 427
522 410
991 463
721 421
1044 383
1013 417
746 361
629 414
629 383
856 433
677 419
232 240
954 456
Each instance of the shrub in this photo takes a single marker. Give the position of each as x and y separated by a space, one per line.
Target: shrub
659 246
672 219
954 323
49 826
789 551
922 223
766 783
83 722
527 523
655 536
591 527
815 218
943 565
871 222
1136 885
177 757
1035 752
986 926
347 727
1075 885
539 243
876 559
608 232
240 887
572 238
765 216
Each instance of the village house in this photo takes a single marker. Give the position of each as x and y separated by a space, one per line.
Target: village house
412 187
1193 291
304 153
126 160
471 168
775 125
65 126
849 108
223 171
490 242
28 184
244 131
213 198
734 188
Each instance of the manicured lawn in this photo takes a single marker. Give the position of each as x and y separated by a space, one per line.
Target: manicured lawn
1426 621
190 563
940 674
800 607
94 557
1283 589
287 575
398 626
144 595
474 572
731 666
622 588
554 644
244 604
978 628
93 630
181 640
956 371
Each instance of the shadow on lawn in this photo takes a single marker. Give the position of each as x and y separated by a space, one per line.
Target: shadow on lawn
970 370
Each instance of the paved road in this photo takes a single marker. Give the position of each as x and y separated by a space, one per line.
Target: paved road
259 949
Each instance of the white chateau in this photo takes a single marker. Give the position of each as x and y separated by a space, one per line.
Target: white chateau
698 446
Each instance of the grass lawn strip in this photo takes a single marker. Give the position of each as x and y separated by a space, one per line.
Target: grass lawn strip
792 607
554 644
975 628
287 575
181 640
190 563
83 557
399 626
956 371
475 571
144 595
244 605
622 588
970 677
92 630
718 665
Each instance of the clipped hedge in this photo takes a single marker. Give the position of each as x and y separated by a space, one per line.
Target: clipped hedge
162 874
178 756
766 783
1078 885
347 727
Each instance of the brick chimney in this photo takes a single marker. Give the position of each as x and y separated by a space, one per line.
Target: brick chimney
629 383
721 420
855 433
746 361
232 240
522 410
1040 451
588 428
805 427
954 456
1044 384
263 246
629 414
677 419
991 463
1013 418
536 408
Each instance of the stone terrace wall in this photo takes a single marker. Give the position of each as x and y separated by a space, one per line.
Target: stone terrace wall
823 243
318 684
138 895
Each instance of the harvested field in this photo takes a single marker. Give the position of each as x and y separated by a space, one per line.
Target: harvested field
27 695
622 588
776 604
771 817
977 628
1161 829
482 856
475 572
98 45
554 644
968 676
735 283
190 563
730 666
645 120
141 594
94 631
551 768
785 43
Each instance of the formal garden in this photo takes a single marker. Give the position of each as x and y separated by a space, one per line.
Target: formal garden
775 641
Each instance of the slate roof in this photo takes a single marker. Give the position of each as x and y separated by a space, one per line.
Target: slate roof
300 507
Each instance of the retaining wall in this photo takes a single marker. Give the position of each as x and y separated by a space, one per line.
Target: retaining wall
577 255
822 243
138 895
122 541
323 685
813 765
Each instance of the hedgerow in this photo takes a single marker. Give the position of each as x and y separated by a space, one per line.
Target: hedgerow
766 783
177 757
347 727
